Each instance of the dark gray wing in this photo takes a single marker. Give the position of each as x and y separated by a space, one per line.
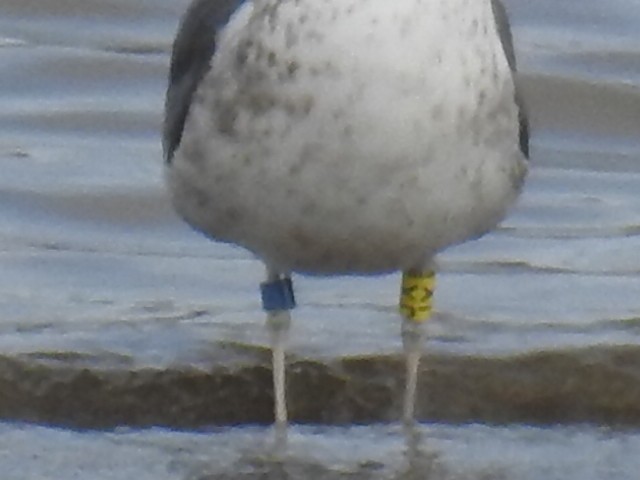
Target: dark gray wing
504 31
193 47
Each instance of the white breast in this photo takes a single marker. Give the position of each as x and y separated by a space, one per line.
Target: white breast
352 136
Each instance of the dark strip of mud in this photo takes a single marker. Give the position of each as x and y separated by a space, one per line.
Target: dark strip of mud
599 385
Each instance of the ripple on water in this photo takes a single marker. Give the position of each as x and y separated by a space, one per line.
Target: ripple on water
469 452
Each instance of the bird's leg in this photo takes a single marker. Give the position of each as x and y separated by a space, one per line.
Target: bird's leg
278 300
416 306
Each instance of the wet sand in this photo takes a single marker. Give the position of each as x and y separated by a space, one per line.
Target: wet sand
596 385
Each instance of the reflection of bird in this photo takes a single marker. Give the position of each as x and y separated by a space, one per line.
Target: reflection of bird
344 137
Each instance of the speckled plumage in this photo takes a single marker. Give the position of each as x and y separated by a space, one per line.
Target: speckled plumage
347 136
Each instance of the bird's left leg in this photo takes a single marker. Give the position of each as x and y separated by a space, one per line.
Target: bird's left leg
416 304
278 300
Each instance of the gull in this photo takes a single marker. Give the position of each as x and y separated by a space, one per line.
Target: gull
344 137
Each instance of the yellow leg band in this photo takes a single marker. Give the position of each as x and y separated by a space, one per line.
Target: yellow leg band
416 297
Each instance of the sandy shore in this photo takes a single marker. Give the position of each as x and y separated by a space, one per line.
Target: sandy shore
596 385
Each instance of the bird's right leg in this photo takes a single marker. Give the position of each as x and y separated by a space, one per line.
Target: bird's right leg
277 301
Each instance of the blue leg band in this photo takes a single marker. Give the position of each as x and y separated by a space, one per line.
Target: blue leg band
277 295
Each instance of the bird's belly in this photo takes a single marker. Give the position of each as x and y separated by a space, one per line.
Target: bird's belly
337 210
323 164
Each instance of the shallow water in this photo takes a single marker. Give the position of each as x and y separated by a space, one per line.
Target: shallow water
97 272
460 453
